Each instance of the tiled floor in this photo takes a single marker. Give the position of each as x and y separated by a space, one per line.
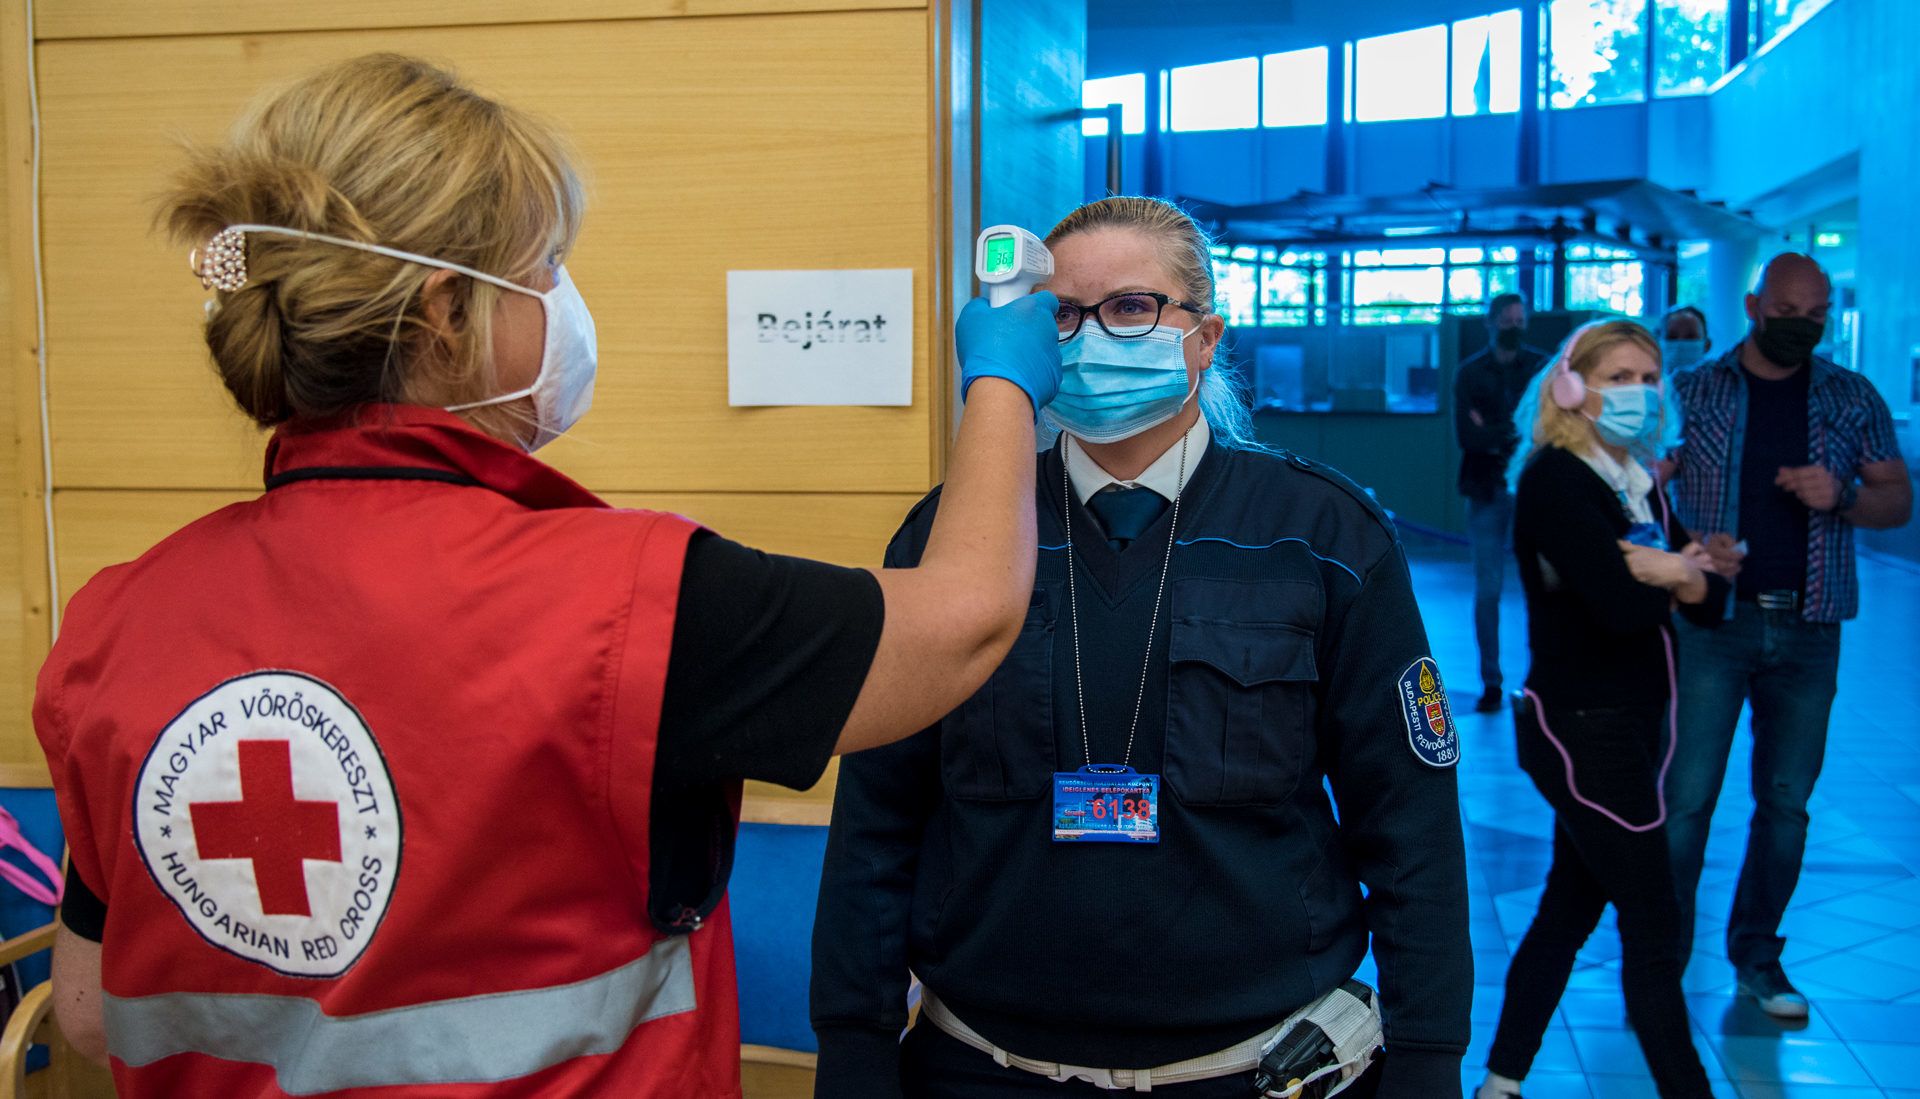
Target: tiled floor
1854 928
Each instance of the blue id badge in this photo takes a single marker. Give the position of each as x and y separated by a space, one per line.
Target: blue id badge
1106 803
1647 534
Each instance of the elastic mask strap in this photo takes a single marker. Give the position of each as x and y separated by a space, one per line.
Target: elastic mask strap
393 253
503 398
412 257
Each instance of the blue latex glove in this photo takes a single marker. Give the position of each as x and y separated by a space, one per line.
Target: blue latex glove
1018 342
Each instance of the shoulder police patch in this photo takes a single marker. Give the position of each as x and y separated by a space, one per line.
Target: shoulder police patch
1423 703
266 814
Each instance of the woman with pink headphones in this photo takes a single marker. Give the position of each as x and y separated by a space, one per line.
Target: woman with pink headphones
1603 563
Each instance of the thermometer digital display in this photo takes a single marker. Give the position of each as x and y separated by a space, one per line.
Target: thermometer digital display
1010 262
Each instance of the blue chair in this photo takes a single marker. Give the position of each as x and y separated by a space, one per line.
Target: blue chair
776 884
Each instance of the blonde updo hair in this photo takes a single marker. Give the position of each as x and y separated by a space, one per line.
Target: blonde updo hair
386 150
1186 250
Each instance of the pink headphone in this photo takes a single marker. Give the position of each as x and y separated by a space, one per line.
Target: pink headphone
1567 389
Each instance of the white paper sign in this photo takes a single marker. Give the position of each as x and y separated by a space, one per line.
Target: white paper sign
820 337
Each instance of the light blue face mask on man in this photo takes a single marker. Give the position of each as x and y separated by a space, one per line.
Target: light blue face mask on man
1114 389
1630 416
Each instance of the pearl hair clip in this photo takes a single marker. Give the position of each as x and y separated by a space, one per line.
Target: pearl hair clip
223 263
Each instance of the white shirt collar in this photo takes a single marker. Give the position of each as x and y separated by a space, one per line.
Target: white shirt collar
1163 476
1631 481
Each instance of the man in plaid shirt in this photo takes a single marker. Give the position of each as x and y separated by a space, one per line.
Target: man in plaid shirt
1785 454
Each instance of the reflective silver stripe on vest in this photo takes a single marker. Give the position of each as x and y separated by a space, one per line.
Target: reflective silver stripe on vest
476 1039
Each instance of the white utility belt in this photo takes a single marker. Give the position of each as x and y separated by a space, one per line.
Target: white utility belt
1243 1057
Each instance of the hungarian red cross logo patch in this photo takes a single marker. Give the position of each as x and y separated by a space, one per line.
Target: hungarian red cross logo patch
266 813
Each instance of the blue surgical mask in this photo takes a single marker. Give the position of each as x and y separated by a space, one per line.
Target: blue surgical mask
1630 417
1677 355
1115 389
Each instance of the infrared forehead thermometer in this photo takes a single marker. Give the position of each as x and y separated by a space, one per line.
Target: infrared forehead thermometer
1010 262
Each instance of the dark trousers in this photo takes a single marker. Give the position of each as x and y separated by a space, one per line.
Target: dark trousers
1596 862
936 1065
1787 667
1489 531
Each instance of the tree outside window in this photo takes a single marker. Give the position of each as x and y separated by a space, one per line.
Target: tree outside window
1598 51
1690 50
1779 16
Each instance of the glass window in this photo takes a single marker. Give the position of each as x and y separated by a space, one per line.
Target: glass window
1396 295
1130 91
1599 51
1288 293
1403 257
1617 285
1224 95
1235 288
1777 17
1486 64
1401 75
1467 286
1294 88
1690 45
1261 285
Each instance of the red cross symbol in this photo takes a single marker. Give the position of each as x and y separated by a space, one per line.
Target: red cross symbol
269 827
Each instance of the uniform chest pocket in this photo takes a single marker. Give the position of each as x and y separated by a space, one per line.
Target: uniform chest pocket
998 745
1239 707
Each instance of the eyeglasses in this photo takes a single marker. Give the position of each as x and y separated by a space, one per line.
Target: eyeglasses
1136 314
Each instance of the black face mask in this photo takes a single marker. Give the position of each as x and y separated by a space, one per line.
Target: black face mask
1789 341
1508 339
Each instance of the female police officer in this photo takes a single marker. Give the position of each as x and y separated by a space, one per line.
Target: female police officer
1236 623
418 772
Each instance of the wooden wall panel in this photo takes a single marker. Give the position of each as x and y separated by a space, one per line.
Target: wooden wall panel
844 528
24 606
774 141
716 134
134 18
98 528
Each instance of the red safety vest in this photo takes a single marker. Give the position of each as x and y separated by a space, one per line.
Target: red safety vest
362 768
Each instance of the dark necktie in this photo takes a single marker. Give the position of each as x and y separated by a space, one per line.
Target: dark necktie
1125 512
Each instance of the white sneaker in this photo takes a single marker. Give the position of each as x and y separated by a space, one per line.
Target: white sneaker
1775 994
1497 1086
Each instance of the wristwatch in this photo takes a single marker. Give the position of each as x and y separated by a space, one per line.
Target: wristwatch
1849 496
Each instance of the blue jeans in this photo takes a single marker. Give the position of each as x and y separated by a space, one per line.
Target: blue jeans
1786 667
1489 532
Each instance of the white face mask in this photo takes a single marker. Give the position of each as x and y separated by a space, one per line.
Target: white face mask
562 391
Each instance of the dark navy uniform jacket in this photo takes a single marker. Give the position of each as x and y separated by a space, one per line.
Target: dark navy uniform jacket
1287 629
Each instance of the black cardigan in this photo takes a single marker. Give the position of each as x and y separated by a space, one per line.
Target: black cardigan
1596 638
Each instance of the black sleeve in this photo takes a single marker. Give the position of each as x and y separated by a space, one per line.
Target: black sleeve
1709 611
1400 825
1473 393
82 910
881 806
769 654
1565 518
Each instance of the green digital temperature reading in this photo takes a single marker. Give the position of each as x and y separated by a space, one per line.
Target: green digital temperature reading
1000 254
